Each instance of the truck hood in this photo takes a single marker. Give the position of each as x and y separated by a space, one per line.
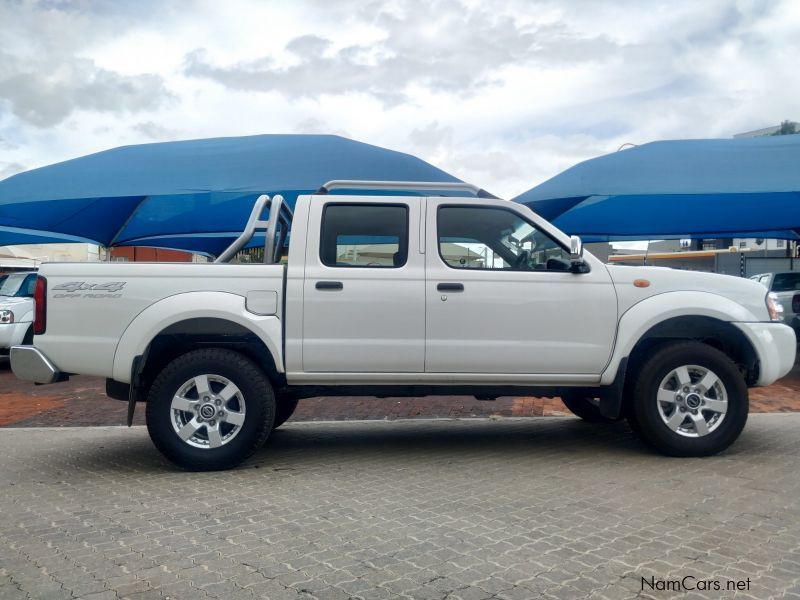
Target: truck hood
749 294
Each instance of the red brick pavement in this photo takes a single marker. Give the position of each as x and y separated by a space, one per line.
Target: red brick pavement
82 402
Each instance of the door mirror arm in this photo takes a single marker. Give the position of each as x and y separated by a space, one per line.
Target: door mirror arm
580 266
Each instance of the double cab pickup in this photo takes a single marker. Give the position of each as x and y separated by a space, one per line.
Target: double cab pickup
434 291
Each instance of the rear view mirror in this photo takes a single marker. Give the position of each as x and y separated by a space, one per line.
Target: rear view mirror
578 265
575 248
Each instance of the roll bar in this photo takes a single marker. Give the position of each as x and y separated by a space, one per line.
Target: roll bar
279 215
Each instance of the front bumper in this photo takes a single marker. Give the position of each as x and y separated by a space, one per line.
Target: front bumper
12 334
30 364
776 346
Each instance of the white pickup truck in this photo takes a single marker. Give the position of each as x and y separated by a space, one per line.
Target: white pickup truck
406 295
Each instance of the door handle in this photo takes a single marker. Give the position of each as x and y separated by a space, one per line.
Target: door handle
329 285
450 287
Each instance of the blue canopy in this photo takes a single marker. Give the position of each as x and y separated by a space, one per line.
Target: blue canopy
679 189
193 195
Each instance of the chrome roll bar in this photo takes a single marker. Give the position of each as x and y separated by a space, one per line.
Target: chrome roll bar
279 215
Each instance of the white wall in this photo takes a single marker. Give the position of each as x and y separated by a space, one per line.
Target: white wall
32 255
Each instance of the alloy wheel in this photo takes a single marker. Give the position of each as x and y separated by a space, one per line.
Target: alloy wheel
692 400
208 411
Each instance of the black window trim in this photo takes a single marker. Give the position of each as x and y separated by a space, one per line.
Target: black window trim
487 206
378 204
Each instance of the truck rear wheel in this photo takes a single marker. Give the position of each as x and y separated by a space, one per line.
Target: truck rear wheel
284 410
689 399
210 409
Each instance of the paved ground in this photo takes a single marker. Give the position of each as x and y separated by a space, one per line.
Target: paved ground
470 509
82 401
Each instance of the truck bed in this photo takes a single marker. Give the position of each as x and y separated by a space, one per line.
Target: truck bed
90 305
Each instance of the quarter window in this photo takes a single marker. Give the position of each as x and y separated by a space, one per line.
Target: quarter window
496 239
364 235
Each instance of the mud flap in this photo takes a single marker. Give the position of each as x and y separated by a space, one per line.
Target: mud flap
611 396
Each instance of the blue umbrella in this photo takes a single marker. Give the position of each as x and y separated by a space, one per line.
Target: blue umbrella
192 195
679 188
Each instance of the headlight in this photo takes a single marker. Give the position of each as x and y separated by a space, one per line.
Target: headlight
775 309
6 316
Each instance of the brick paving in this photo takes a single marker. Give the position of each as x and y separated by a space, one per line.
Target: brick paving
448 509
82 402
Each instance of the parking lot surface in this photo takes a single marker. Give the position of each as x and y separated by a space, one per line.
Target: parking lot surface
81 401
444 509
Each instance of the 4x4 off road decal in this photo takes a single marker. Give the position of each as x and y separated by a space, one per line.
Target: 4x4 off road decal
81 289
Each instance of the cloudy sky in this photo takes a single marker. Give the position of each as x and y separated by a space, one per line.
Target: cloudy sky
504 93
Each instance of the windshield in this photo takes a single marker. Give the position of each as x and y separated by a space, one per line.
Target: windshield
786 282
18 284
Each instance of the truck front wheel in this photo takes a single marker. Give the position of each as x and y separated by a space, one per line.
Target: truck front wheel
689 399
210 409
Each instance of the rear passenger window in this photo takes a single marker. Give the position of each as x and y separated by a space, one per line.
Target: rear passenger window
364 235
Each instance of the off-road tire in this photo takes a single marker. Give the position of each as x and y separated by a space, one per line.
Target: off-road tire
643 412
245 374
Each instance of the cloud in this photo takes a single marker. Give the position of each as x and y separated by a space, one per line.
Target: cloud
308 46
6 144
431 137
155 131
9 169
45 99
442 46
44 76
317 126
504 94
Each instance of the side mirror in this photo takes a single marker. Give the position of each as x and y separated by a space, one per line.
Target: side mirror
575 248
578 265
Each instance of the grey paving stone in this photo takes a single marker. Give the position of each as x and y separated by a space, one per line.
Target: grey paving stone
507 508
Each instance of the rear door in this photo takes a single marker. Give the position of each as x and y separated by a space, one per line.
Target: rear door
364 286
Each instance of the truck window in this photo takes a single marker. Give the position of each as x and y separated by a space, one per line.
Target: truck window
786 282
18 284
364 235
496 239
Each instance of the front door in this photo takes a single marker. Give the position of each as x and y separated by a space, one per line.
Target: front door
364 287
500 297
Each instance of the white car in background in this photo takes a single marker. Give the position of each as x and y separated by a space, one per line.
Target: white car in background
784 288
16 309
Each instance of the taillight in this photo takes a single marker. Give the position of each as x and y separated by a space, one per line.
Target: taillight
40 306
796 303
774 308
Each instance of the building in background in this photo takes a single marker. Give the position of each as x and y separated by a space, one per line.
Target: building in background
785 128
143 254
29 256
